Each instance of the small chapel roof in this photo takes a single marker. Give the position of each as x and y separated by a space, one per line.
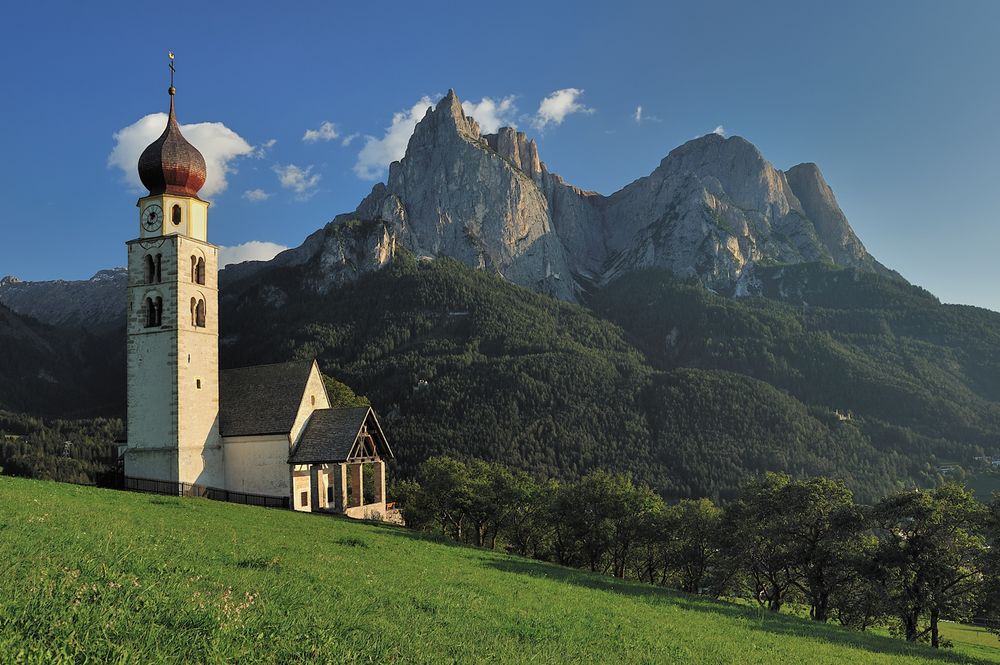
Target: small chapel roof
263 399
336 435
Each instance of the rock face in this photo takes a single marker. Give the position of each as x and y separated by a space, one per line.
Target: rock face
711 211
96 303
831 225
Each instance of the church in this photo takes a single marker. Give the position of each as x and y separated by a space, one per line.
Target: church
265 434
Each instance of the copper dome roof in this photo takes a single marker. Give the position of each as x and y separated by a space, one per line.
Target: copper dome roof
171 165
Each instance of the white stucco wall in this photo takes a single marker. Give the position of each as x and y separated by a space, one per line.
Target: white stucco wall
257 464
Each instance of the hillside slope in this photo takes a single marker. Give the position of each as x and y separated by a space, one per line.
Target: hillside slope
64 372
120 577
918 378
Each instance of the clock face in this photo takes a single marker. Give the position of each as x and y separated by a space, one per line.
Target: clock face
152 217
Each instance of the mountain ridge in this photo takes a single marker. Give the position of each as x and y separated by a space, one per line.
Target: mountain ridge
712 208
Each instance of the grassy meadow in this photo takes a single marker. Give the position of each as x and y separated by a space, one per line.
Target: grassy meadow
90 575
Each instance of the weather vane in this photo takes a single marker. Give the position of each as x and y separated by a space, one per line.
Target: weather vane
170 54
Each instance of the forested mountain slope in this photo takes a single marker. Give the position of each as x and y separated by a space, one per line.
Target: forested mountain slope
66 372
462 362
917 377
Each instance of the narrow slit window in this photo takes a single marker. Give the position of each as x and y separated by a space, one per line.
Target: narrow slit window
175 214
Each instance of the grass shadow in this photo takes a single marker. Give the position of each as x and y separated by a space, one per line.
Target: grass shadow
783 625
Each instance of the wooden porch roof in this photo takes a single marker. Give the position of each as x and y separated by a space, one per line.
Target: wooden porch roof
341 435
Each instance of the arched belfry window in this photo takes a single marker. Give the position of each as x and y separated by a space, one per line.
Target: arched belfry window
150 269
194 269
201 270
175 214
159 265
200 314
154 312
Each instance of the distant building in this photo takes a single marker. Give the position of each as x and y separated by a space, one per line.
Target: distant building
266 430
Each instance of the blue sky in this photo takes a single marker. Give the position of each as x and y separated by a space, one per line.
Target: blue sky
897 102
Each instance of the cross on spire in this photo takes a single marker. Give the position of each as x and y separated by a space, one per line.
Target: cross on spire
171 90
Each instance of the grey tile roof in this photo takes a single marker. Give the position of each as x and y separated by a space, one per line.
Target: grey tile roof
331 433
262 399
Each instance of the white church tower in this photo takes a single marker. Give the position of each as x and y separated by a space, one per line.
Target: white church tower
173 317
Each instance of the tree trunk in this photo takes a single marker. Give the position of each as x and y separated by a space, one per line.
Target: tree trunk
820 611
935 641
910 624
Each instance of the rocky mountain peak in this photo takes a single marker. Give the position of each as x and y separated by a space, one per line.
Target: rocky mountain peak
518 149
832 227
445 119
712 210
9 279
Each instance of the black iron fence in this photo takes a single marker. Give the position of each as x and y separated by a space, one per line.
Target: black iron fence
171 488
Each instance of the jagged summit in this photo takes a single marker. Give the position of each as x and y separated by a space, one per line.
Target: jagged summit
712 209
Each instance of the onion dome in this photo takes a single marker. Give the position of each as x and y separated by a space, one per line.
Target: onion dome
171 165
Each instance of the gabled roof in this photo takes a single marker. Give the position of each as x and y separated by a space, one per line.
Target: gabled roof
331 435
263 399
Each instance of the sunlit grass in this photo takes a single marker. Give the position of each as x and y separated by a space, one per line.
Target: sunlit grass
118 577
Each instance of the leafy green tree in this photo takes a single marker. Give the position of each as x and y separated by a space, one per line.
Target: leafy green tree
824 530
756 544
931 556
341 395
445 494
528 529
693 550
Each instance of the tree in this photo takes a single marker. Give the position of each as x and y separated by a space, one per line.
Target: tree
931 556
494 494
528 528
756 543
823 528
446 493
693 549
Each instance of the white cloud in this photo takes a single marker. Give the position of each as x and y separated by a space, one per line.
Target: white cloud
377 154
302 181
720 130
327 132
638 114
347 139
558 105
255 195
218 144
261 151
255 250
490 114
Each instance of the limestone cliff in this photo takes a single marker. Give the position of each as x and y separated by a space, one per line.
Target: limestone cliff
712 210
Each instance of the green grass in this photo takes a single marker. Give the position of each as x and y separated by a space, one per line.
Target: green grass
103 576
